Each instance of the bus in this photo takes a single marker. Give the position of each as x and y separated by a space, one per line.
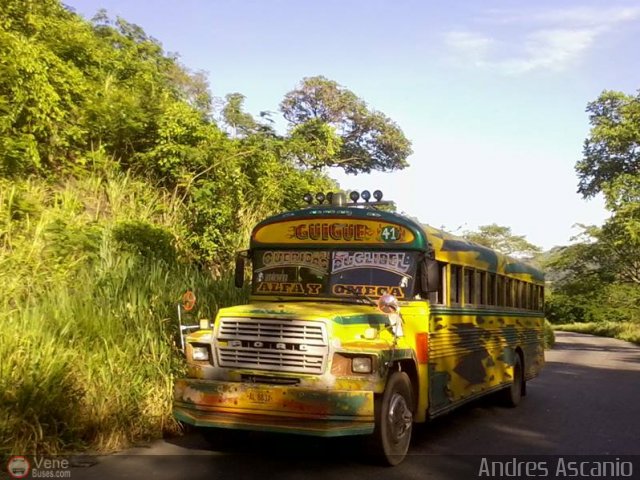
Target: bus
362 321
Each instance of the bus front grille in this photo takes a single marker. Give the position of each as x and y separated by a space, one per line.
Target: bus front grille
294 346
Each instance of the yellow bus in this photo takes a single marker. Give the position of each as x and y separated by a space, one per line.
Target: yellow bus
362 322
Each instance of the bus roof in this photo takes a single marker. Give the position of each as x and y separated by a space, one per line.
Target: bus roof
452 249
325 225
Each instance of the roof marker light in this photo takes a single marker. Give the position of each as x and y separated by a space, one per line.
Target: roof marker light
354 196
366 195
377 195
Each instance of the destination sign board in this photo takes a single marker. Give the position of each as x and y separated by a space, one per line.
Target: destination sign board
333 231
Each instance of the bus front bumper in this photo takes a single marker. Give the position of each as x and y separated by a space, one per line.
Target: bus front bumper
274 408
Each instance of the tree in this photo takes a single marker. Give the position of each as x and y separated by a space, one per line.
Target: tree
611 165
233 114
594 279
620 252
39 88
598 278
613 146
623 198
501 239
80 98
340 130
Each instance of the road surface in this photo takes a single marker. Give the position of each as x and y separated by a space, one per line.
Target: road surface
586 402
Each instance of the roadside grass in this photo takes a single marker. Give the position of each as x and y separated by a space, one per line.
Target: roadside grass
88 313
628 331
549 335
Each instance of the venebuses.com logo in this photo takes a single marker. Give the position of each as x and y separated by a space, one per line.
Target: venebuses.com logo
18 467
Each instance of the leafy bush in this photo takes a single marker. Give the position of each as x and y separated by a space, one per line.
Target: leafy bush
88 313
549 336
92 364
149 241
610 303
20 205
564 309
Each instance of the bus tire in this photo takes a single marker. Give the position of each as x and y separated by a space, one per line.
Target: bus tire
512 395
394 420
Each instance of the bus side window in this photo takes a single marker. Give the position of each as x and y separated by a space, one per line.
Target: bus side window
509 291
442 286
469 286
491 297
481 278
439 296
501 298
455 284
540 298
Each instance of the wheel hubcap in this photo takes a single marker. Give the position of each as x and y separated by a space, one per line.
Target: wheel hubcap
400 418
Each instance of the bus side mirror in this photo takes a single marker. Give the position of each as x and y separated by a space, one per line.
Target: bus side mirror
430 278
239 273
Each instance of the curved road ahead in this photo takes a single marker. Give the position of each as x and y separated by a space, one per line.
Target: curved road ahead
586 402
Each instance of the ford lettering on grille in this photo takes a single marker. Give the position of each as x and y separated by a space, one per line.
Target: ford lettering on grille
296 346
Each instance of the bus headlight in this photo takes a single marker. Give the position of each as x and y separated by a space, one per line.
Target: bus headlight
200 353
361 365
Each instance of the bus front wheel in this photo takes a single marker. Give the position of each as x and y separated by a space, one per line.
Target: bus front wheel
394 420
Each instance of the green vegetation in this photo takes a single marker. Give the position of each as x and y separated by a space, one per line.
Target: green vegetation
549 336
596 281
119 191
87 312
628 331
342 131
501 239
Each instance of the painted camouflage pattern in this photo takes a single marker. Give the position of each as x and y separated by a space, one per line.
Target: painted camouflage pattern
471 354
472 349
452 249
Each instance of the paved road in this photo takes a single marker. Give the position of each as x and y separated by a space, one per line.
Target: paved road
586 402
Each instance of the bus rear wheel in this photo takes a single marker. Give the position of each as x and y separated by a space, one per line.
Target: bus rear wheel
512 395
394 420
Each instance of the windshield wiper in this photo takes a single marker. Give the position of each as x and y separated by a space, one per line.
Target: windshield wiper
353 291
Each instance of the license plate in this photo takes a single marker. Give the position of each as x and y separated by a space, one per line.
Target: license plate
259 396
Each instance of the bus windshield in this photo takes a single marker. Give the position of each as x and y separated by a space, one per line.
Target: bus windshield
334 273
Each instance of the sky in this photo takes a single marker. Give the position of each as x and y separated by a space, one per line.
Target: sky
492 94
